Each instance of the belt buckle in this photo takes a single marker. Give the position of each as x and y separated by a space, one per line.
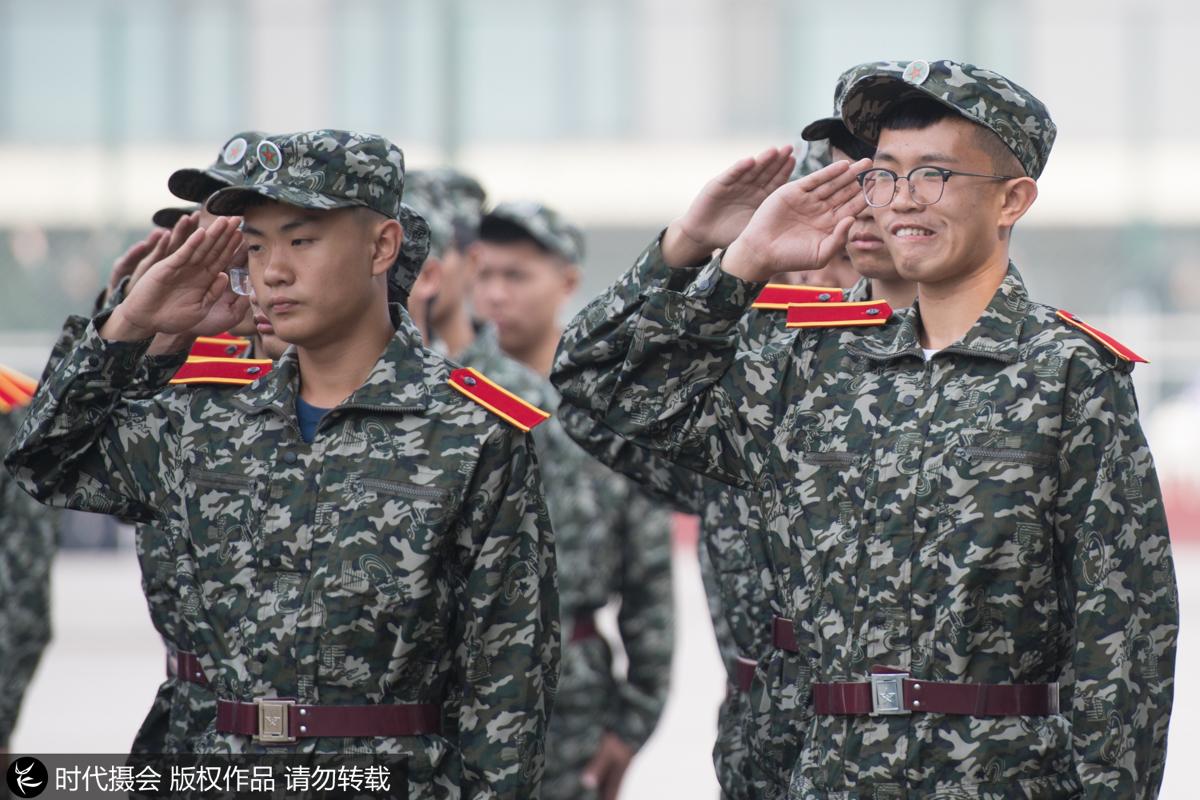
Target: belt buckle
887 694
273 721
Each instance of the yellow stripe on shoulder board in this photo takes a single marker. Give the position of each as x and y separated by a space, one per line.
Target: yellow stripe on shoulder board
497 399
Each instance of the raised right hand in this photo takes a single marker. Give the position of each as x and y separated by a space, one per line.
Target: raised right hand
178 293
801 225
726 203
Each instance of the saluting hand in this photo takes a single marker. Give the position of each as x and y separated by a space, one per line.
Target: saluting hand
801 225
183 290
726 203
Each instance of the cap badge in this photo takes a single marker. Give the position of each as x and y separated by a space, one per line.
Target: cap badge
234 152
917 72
269 155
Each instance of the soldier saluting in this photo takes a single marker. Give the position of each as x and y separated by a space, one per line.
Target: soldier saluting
988 598
363 548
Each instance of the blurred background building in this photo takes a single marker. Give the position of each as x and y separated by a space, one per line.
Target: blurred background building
614 111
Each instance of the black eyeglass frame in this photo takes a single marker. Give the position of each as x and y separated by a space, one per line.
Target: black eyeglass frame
943 171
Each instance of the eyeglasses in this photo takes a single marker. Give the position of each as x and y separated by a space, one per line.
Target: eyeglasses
925 184
239 280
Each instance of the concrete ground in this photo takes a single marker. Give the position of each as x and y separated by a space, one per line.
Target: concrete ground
99 675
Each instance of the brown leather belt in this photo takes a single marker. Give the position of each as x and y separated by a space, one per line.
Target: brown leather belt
743 673
276 721
897 693
185 667
783 635
585 628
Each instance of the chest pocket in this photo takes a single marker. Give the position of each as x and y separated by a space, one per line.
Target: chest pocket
223 515
396 533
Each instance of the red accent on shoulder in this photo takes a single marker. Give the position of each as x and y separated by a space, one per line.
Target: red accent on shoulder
223 345
497 399
16 390
1112 345
211 371
781 295
838 315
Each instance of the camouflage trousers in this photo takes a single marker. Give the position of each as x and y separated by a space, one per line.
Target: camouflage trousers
586 687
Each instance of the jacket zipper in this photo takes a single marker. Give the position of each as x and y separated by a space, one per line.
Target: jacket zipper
1007 454
407 489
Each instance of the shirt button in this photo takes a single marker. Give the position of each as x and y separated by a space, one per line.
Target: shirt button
908 400
289 457
886 514
824 297
469 381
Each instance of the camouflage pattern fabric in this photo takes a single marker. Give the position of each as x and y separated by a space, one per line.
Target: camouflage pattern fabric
989 516
613 542
405 556
26 552
757 736
180 710
547 227
987 98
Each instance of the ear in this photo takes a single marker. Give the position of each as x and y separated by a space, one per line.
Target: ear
1018 197
571 278
428 282
389 235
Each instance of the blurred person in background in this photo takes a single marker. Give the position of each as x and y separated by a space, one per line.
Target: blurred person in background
614 544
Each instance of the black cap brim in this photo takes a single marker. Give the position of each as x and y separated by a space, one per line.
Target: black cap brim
167 217
233 200
823 128
194 185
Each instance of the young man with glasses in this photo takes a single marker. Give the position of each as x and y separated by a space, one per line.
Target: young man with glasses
988 585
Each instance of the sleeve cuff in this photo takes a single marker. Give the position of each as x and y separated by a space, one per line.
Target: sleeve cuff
118 362
657 273
726 296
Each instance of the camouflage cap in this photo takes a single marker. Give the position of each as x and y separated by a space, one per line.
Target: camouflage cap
426 193
543 224
827 126
322 169
167 217
810 157
980 95
227 170
467 197
413 252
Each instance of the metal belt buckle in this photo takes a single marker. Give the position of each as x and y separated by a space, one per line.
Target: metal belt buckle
273 721
887 694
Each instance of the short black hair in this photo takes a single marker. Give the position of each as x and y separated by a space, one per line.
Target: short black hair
841 138
919 113
497 230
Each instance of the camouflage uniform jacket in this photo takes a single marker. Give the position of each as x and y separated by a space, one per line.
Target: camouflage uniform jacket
26 552
405 556
758 737
181 709
989 516
612 542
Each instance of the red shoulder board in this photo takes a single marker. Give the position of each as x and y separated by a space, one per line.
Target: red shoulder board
236 371
497 399
838 315
16 390
221 346
779 296
1116 348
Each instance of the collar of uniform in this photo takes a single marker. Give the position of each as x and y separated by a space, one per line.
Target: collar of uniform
397 382
859 292
995 335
